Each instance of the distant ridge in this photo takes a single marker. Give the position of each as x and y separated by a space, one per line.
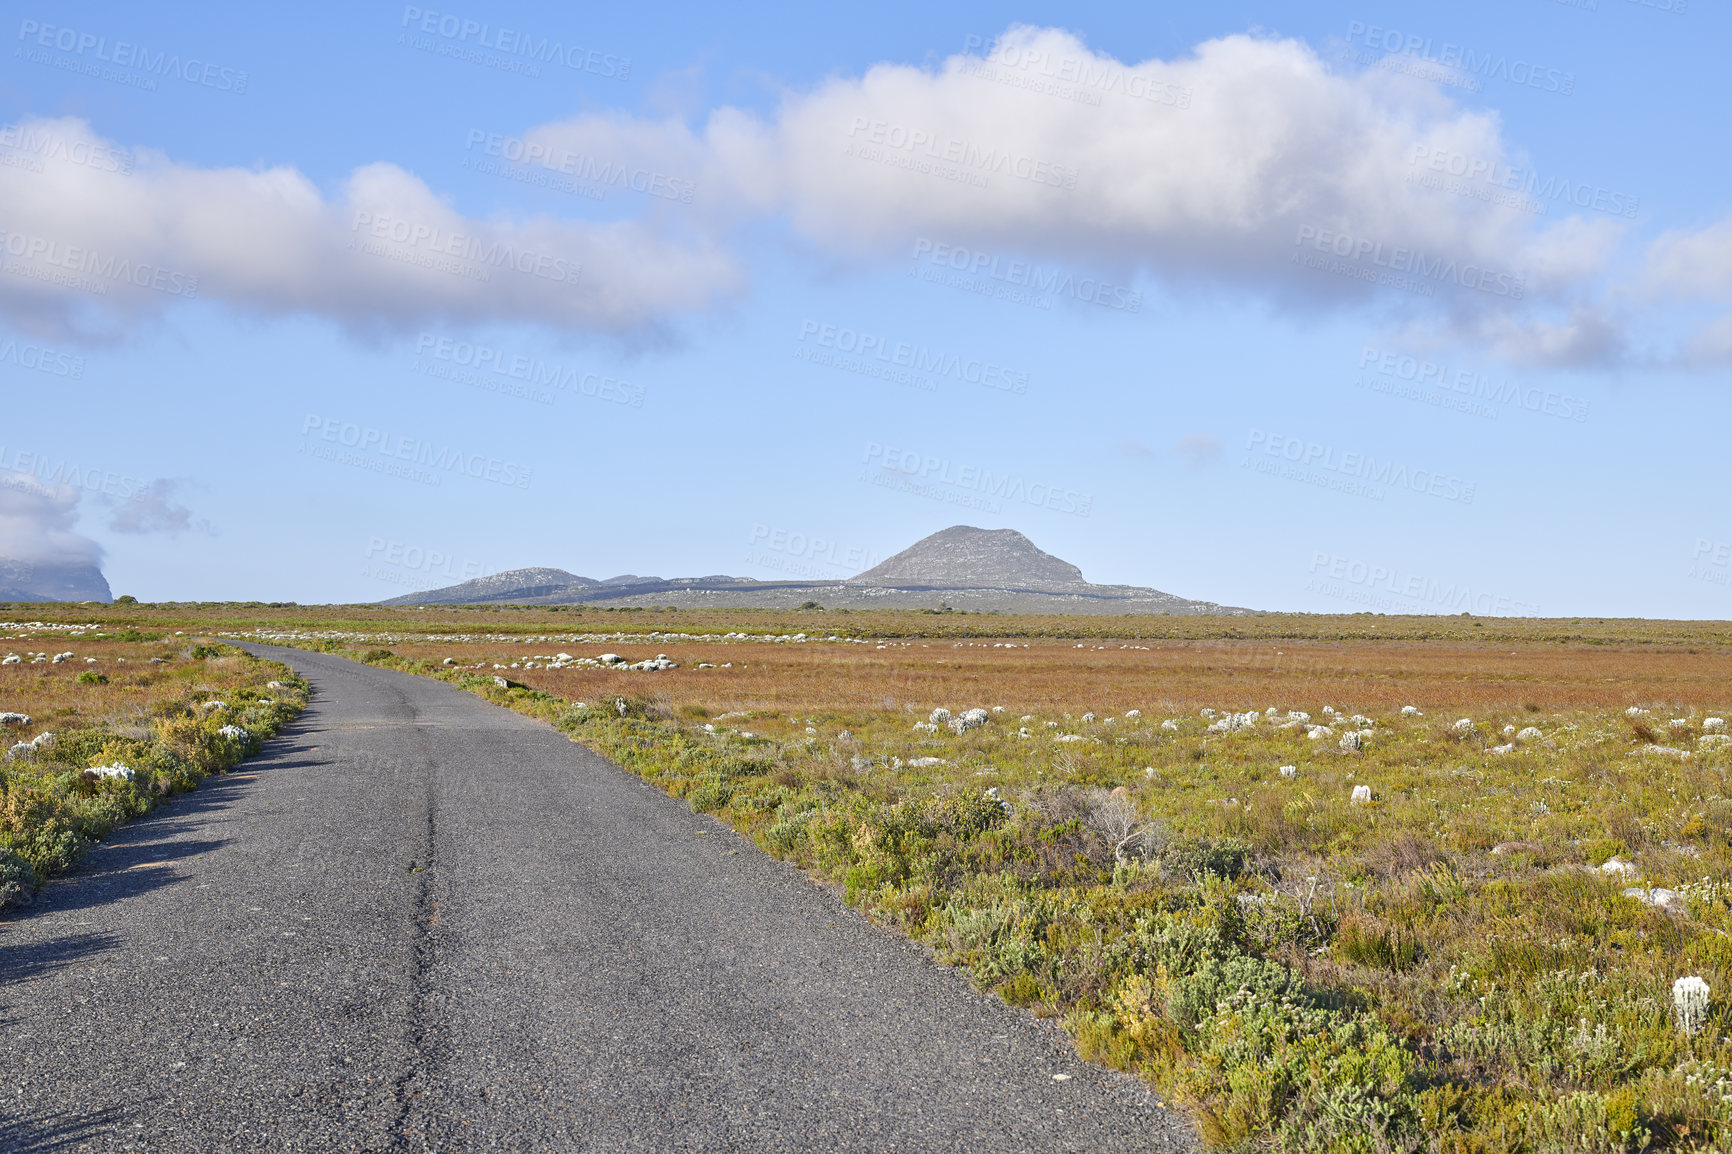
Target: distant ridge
962 567
48 581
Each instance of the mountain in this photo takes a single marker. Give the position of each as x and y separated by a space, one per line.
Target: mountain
45 581
961 567
963 557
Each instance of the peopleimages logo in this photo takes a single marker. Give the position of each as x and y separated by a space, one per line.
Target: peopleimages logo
1407 261
1458 58
927 470
1357 473
416 239
580 166
41 359
499 370
1466 384
1525 181
521 51
50 472
1024 274
72 266
974 159
1375 586
380 451
87 46
32 141
916 358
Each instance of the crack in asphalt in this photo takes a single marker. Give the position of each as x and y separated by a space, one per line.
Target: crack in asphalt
424 922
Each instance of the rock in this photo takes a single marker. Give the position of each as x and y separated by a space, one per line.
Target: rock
1132 715
1088 717
611 659
926 762
1618 867
1502 749
14 719
970 719
21 749
1713 740
1464 728
500 683
1714 725
1361 795
1509 731
1669 901
925 727
1170 726
1299 716
1661 751
1319 732
1531 733
43 741
939 716
449 661
1411 711
1205 713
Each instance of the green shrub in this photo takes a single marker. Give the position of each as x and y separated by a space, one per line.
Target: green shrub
710 796
17 880
1199 858
91 677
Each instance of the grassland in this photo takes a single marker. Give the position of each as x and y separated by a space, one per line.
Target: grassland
101 725
1454 964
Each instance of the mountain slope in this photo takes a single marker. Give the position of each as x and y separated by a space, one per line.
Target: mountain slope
963 567
963 557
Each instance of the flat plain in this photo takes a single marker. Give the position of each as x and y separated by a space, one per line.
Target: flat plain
1353 883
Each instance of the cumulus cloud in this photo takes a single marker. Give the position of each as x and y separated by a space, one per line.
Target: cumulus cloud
1697 263
91 245
152 510
1248 162
36 524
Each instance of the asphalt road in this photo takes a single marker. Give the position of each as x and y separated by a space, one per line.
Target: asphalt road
422 922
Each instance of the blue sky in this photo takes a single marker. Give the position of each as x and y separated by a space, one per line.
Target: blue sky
1414 308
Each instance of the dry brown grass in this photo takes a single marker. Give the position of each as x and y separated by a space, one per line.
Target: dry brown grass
1172 676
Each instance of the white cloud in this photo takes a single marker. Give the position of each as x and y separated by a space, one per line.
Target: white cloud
1207 168
152 509
36 524
89 249
1686 263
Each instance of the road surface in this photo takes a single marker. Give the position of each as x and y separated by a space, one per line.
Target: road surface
422 922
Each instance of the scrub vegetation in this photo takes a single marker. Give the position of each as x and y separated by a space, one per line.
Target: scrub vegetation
1357 883
100 726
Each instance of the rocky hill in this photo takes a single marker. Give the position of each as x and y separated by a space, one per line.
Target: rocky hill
50 581
962 567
